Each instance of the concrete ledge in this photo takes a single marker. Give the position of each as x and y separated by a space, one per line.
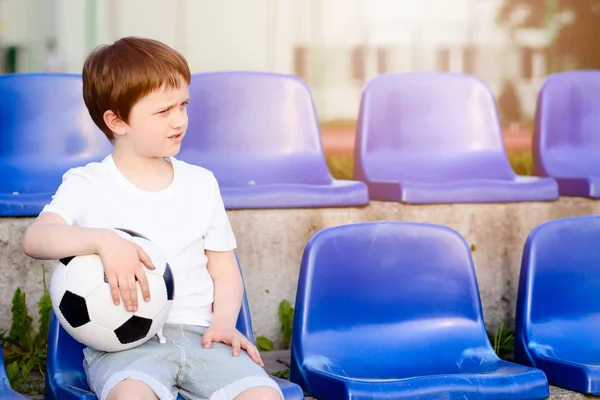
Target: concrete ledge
271 244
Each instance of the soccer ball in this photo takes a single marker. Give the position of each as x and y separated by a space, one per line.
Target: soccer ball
83 304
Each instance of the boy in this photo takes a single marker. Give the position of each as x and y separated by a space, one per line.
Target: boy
136 91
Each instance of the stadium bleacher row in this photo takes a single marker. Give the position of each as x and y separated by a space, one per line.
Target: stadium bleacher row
384 309
422 138
392 309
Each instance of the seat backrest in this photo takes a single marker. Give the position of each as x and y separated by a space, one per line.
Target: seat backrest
567 124
251 127
399 288
43 117
65 354
4 382
429 126
45 129
560 272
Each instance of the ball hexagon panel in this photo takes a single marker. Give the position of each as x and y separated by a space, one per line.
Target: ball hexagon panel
84 274
158 259
57 284
160 318
97 337
104 312
169 282
129 234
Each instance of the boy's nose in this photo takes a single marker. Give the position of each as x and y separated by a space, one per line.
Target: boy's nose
179 120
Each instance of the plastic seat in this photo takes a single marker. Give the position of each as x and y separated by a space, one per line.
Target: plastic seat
259 134
566 140
392 310
66 380
427 138
6 391
45 129
558 305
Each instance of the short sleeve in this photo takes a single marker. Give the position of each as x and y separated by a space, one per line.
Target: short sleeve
71 197
219 236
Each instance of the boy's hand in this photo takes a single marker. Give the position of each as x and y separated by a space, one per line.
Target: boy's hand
122 262
233 338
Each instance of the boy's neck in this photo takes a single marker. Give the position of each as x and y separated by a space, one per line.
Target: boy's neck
147 173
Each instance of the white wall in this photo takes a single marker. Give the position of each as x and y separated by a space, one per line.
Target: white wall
26 24
262 35
213 35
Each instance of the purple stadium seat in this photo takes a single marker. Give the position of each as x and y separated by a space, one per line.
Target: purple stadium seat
566 140
391 310
558 303
436 138
259 134
65 376
45 129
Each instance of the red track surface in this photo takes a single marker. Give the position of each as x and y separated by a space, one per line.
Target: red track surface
340 140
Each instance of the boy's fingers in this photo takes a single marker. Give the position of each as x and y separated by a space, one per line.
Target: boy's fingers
124 289
133 297
236 345
114 288
252 351
144 285
206 340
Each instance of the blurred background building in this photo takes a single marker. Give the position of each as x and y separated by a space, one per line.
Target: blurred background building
336 46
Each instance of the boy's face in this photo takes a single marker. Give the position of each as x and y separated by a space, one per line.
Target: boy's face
157 123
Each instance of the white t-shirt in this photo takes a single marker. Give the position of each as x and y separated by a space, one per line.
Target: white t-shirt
184 219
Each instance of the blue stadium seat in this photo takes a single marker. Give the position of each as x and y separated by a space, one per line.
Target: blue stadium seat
66 380
558 304
6 391
392 310
45 129
566 139
259 134
426 138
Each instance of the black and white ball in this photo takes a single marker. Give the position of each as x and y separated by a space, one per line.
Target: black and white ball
83 304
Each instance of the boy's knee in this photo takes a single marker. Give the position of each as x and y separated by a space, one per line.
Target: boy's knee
130 389
260 393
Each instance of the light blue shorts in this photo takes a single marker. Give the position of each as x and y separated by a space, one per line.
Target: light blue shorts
179 366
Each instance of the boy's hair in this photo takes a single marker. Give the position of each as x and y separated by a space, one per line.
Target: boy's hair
116 76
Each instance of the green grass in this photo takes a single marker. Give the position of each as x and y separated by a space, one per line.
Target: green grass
341 166
521 162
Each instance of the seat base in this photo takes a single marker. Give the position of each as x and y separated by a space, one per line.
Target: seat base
10 394
23 205
579 187
569 374
507 381
290 390
340 193
522 188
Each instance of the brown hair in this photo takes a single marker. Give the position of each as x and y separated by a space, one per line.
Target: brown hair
116 76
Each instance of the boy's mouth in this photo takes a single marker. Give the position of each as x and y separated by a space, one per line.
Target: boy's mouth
176 136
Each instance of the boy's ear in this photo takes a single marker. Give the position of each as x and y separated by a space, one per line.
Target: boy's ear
115 123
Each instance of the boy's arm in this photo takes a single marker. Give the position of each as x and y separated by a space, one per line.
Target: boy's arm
229 290
223 269
219 243
49 237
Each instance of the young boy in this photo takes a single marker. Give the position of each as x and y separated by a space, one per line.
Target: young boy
136 91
